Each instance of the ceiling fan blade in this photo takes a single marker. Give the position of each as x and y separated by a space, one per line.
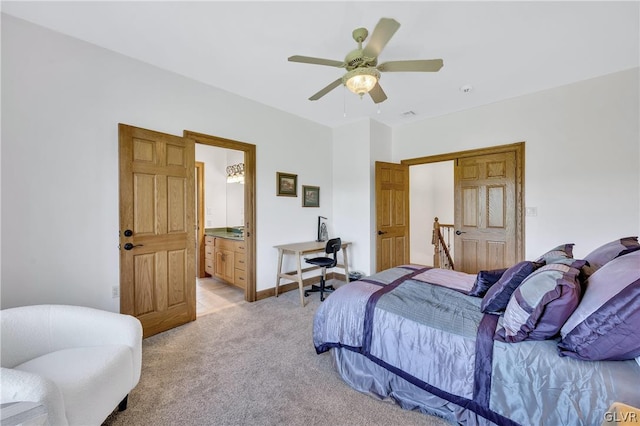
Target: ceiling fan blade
419 65
326 90
381 35
316 61
377 94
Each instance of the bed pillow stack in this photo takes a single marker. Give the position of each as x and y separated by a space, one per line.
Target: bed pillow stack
484 280
596 320
540 305
605 325
497 297
607 252
536 297
563 251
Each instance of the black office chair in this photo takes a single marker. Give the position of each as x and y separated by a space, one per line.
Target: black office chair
333 247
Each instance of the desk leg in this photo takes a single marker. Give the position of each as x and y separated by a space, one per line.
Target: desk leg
300 285
345 258
279 271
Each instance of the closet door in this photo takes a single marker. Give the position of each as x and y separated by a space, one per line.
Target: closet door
392 215
485 213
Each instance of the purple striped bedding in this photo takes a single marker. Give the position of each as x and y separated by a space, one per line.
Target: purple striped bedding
431 348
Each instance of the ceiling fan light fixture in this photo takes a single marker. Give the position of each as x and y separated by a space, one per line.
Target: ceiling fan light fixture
361 80
362 70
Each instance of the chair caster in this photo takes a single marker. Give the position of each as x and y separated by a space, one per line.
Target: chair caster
322 298
306 294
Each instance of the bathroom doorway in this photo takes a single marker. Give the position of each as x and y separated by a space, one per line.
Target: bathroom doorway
225 212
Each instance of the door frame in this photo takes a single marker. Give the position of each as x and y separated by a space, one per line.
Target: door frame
519 149
249 200
200 219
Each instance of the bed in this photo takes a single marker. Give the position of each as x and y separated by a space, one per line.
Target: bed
553 341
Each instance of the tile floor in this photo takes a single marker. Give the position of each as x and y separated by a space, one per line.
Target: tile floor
213 295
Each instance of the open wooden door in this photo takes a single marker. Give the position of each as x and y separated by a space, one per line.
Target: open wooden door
485 213
157 228
392 215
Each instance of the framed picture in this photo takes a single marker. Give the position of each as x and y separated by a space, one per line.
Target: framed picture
287 184
310 196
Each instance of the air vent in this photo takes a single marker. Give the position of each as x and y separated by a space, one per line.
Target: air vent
407 114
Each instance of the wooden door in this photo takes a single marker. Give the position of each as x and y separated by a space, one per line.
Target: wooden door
392 215
485 212
157 228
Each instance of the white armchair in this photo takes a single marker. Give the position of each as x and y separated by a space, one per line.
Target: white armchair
79 362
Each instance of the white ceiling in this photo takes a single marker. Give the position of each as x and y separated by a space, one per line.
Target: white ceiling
502 49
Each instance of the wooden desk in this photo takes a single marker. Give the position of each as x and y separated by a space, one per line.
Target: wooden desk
300 249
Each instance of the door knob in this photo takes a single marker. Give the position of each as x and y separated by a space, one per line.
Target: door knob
381 232
129 246
128 233
460 232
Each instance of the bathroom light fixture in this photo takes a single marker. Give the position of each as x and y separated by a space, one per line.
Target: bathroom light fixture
235 173
361 80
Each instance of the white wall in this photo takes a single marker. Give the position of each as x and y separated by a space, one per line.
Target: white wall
351 192
62 100
381 137
223 202
582 169
356 148
215 185
431 194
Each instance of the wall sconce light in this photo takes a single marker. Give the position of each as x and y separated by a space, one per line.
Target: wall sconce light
235 173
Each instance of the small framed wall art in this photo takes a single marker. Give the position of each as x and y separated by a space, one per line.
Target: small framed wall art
310 196
286 184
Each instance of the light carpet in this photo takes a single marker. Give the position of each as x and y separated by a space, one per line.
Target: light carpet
250 364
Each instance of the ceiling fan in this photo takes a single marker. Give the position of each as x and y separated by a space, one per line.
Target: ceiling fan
363 71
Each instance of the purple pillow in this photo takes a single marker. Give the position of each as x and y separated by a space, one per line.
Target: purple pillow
540 305
563 251
497 297
606 323
484 280
607 252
